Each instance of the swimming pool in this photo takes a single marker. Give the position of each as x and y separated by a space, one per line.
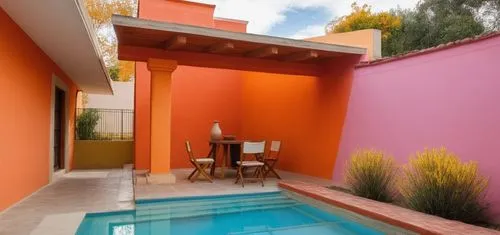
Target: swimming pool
275 213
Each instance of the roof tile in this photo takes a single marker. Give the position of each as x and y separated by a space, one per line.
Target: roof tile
440 47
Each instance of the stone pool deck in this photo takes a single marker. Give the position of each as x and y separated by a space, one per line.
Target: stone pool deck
390 214
185 188
59 207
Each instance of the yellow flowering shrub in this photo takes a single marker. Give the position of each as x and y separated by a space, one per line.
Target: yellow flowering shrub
370 174
436 182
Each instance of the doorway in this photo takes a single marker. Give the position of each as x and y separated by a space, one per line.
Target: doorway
59 129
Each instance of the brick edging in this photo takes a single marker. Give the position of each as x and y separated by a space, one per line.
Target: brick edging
358 210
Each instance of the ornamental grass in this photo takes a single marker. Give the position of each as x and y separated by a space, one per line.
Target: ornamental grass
436 182
371 174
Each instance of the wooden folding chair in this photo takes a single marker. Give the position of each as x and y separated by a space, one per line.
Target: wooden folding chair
200 165
272 158
251 148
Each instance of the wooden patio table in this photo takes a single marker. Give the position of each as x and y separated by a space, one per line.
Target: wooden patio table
225 144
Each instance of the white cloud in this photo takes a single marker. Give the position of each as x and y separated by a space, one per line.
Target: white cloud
309 31
264 14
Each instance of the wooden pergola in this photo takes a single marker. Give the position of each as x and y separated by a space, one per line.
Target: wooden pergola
165 45
141 39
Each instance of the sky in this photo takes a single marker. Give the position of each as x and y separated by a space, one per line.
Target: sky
294 18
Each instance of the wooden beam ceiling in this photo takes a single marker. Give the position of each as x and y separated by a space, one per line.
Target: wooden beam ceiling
263 52
220 61
221 47
176 42
301 56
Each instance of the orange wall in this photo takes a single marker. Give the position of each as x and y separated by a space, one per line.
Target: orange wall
177 11
194 108
306 113
142 107
371 39
230 25
199 95
25 97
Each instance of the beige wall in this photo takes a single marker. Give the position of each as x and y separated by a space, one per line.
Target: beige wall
102 154
122 98
371 39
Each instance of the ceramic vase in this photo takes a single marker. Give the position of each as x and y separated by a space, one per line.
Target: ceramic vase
216 132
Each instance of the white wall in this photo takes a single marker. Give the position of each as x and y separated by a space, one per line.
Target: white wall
123 97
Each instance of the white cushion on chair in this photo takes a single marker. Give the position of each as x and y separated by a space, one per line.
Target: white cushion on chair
275 146
204 160
250 163
254 147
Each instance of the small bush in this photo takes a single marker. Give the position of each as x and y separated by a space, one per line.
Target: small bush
371 175
86 123
438 183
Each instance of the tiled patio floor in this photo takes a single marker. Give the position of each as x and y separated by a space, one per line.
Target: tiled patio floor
60 206
184 187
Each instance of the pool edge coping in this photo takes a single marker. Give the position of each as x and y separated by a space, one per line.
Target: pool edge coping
299 187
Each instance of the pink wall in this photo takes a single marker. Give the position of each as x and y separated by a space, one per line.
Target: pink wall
446 98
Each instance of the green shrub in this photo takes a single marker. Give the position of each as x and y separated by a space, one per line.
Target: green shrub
436 182
86 123
370 174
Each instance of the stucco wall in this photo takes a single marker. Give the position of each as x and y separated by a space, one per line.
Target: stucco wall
230 25
446 98
25 97
199 95
371 39
102 154
305 113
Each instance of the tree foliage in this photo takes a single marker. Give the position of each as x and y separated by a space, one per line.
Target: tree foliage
100 11
363 18
491 15
435 22
430 23
114 73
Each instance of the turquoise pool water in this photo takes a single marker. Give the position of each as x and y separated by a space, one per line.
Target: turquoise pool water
255 214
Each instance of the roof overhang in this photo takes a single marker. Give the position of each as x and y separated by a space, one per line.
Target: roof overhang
63 30
140 39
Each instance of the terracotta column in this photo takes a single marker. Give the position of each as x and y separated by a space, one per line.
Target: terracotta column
161 109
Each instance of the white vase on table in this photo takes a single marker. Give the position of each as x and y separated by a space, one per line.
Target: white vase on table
216 132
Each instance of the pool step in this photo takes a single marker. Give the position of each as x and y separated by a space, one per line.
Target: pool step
217 210
160 209
201 202
317 228
167 215
174 209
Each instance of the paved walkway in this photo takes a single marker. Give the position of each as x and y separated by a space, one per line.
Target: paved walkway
59 207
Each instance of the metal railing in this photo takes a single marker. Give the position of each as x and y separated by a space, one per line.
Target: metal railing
104 124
